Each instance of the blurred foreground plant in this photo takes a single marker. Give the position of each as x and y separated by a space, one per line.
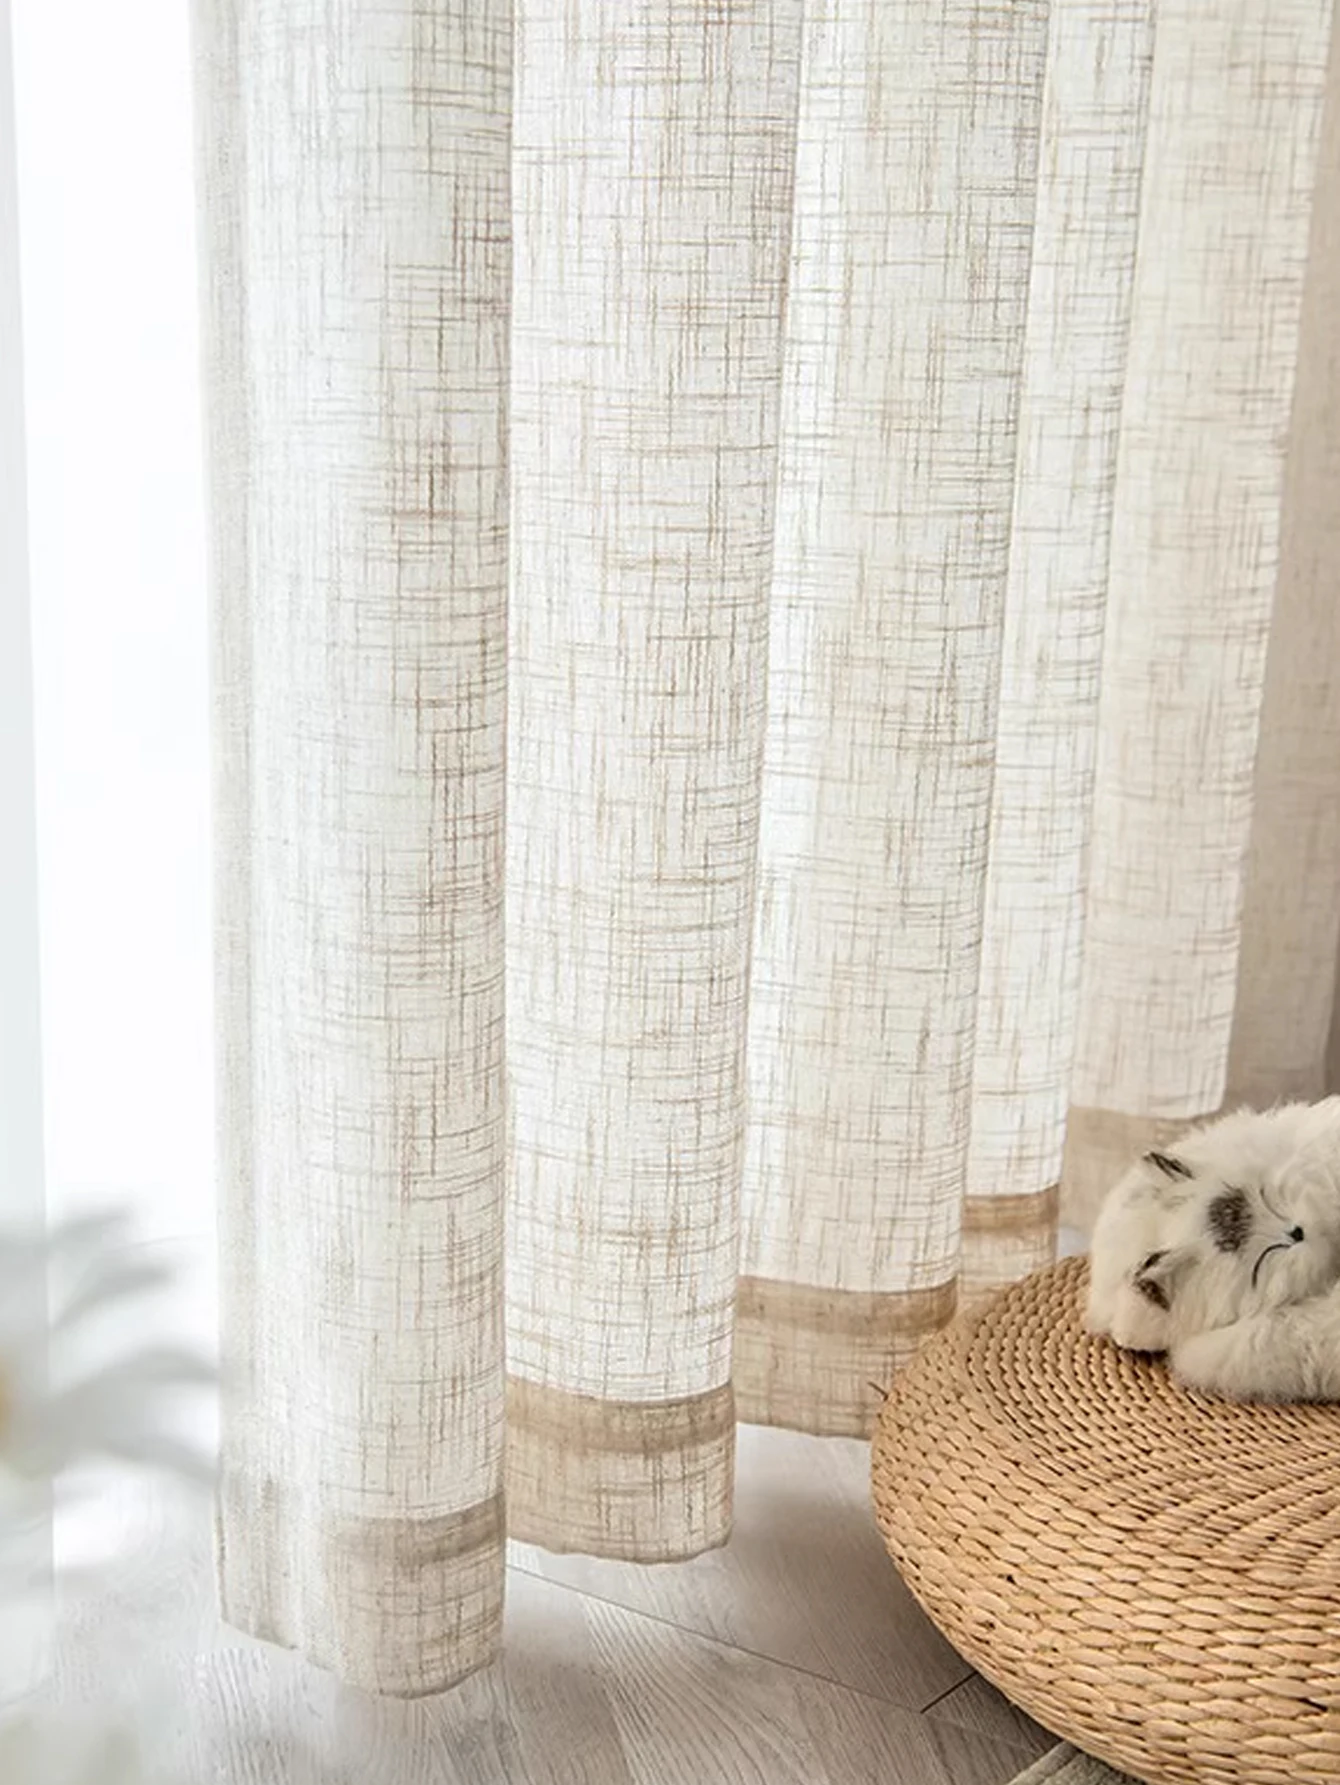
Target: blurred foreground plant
70 1396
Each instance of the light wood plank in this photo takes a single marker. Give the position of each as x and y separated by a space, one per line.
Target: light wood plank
804 1580
978 1706
588 1694
592 1691
872 1743
691 1710
260 1716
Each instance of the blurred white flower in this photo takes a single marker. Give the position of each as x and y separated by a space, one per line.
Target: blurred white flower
77 1388
64 1398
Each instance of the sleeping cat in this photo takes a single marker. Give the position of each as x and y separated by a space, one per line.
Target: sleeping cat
1224 1252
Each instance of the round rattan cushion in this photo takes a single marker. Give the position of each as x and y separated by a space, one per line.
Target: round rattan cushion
1152 1573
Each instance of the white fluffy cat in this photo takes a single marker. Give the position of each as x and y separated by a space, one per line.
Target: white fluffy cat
1224 1251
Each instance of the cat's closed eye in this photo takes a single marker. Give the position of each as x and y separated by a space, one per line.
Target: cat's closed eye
1170 1167
1150 1287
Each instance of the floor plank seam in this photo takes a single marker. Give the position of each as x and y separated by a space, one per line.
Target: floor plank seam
809 1673
1009 1738
948 1692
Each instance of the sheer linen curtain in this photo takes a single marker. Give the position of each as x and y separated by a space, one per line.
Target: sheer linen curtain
776 669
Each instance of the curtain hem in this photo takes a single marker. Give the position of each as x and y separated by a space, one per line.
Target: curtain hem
1005 1238
405 1607
818 1360
625 1480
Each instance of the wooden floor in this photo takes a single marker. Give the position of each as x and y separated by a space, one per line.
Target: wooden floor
792 1657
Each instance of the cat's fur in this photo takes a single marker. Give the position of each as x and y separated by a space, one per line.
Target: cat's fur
1224 1251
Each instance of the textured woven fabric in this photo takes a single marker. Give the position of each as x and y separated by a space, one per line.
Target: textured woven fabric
774 630
901 392
357 164
1230 169
1210 938
1290 915
1084 244
653 213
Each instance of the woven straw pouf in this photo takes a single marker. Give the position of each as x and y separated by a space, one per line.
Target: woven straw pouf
1152 1574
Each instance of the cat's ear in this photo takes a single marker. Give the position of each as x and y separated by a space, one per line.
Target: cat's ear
1158 1274
1170 1167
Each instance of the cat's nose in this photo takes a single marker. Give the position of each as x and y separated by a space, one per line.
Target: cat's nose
1295 1234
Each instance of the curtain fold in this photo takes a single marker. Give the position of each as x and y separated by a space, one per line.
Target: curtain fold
1228 193
654 165
356 166
916 159
777 679
1083 266
1287 965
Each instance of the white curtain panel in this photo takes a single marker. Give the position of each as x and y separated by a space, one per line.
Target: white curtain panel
777 669
652 197
356 169
1230 187
916 162
1083 260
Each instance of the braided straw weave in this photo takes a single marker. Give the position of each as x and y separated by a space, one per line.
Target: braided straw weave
1151 1573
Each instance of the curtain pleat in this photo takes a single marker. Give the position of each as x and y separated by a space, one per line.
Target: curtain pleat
654 179
356 164
1084 246
1230 165
915 176
1286 990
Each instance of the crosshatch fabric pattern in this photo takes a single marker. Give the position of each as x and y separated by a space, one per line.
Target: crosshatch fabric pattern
1083 261
653 170
892 542
358 165
1282 1015
774 626
1227 200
